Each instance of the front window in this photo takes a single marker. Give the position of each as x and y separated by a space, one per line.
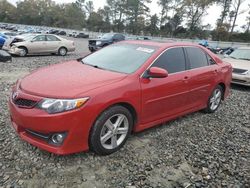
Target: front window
123 58
172 60
241 54
39 38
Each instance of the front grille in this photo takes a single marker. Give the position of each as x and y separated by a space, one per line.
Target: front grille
239 71
237 80
24 102
92 42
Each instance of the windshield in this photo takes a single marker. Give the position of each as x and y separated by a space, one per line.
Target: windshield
123 58
241 54
107 36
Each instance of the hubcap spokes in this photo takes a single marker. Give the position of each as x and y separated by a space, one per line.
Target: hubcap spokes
215 99
63 51
114 131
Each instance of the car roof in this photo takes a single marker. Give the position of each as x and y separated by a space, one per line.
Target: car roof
161 44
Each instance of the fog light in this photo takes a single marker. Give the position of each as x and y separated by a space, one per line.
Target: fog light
57 138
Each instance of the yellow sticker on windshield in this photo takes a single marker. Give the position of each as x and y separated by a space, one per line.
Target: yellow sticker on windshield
147 50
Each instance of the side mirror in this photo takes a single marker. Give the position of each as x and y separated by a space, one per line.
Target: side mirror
156 72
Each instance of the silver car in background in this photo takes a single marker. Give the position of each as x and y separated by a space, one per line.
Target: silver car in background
240 61
42 44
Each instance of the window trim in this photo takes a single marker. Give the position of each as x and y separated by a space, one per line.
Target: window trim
39 40
188 62
185 57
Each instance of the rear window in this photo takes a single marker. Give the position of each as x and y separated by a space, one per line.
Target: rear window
124 58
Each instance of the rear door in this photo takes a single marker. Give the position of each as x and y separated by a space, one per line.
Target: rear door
53 43
202 73
163 97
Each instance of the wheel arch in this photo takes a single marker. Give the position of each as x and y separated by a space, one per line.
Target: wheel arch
24 48
224 89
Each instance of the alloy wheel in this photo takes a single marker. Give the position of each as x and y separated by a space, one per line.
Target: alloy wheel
215 99
114 131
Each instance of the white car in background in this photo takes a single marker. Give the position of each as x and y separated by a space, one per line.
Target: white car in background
240 61
42 44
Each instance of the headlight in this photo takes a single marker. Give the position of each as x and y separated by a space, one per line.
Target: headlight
53 106
98 42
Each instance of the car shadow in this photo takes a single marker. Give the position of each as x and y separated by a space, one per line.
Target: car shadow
240 87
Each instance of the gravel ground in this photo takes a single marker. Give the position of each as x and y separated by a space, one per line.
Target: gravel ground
197 150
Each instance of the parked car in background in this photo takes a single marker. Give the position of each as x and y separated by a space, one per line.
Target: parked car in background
142 38
81 35
72 34
2 41
227 51
10 34
42 44
105 40
61 33
95 102
240 61
53 31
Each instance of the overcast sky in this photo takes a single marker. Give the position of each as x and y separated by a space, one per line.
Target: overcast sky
213 12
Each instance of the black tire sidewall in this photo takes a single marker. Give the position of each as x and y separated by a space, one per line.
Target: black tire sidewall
95 142
26 51
208 109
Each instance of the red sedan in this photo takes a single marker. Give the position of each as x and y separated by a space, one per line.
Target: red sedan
97 101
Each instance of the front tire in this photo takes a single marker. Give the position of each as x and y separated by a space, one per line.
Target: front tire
23 51
62 51
214 100
111 130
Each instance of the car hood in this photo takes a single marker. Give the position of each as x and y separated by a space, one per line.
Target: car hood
238 63
67 80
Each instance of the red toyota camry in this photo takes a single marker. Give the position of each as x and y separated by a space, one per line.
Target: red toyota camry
97 101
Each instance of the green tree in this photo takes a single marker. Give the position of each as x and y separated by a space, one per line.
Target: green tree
7 11
153 25
136 9
236 7
194 10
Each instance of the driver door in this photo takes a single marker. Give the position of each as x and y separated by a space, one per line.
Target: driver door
165 97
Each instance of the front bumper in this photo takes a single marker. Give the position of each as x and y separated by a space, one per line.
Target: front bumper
14 51
241 79
94 48
75 123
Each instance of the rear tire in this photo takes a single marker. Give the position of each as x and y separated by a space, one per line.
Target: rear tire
111 130
62 51
214 100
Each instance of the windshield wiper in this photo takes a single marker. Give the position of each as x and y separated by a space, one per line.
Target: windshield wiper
232 57
95 66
